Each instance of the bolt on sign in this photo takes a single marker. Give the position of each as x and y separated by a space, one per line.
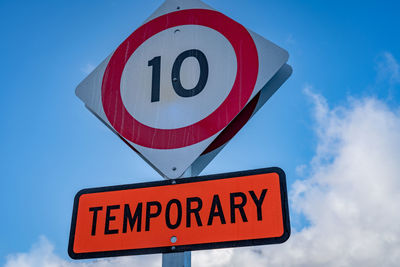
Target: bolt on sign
218 211
179 81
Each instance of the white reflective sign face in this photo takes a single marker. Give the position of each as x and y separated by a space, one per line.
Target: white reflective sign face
180 79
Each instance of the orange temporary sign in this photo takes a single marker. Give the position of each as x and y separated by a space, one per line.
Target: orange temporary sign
226 210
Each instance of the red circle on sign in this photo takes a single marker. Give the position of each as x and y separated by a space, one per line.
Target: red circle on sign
247 70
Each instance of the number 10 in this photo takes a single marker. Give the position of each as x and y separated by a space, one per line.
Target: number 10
155 63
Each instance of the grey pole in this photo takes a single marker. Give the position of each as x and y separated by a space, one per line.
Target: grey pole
178 259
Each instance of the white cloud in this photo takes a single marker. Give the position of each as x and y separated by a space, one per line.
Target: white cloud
88 68
351 199
42 255
388 68
290 40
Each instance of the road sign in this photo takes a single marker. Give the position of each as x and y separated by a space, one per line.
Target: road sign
218 211
178 81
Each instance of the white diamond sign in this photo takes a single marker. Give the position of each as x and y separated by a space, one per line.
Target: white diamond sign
178 81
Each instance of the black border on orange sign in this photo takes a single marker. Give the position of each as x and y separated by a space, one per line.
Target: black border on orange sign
173 249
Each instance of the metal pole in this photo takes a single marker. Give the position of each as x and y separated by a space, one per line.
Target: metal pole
179 259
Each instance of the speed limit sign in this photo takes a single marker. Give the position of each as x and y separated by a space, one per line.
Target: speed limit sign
178 81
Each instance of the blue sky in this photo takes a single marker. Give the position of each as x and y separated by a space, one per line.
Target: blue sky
344 56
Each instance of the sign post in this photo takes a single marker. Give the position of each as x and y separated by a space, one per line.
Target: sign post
178 259
176 91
